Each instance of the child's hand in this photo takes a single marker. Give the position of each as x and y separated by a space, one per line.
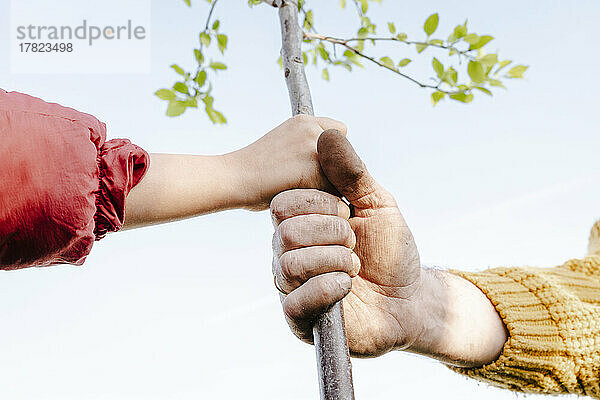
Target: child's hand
285 158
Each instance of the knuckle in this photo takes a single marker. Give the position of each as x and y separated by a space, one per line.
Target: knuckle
287 234
279 207
342 259
341 229
324 288
292 309
291 267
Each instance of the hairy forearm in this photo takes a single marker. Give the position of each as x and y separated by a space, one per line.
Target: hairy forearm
462 327
181 186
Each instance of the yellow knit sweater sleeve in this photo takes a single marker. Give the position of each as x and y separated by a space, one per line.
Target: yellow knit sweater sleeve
553 319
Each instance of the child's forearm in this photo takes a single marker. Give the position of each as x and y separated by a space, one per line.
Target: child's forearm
181 186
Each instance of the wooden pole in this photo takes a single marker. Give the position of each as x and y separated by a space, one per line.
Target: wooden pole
333 358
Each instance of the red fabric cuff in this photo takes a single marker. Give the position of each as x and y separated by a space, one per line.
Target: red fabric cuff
121 166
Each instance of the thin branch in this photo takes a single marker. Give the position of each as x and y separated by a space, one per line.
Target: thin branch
344 43
212 7
358 8
206 28
465 53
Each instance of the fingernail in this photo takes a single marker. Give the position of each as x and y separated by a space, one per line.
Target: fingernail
355 264
343 210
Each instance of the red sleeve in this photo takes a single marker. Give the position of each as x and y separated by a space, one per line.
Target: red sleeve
62 185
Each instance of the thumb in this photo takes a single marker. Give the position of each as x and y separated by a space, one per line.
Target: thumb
346 171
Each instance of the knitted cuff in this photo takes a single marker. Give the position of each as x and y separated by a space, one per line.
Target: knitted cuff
552 333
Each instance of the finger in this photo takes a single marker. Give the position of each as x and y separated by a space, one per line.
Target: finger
329 123
313 230
302 306
346 171
295 267
292 203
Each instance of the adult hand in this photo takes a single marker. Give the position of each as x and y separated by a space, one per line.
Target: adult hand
390 302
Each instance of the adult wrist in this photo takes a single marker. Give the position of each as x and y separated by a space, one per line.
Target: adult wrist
431 310
460 326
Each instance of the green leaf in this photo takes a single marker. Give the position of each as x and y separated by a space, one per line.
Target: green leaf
176 108
387 62
165 94
352 57
404 62
462 97
325 74
436 42
472 38
517 72
308 20
364 5
459 32
496 82
215 116
217 65
437 96
483 40
489 60
420 47
343 3
322 52
484 90
216 25
392 27
201 78
438 67
191 102
450 76
344 64
188 2
181 87
199 56
402 36
431 24
222 42
205 39
178 69
502 64
475 70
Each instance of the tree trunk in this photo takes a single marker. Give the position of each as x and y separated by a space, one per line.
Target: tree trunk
333 358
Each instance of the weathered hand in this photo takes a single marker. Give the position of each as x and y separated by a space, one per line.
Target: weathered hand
313 240
371 262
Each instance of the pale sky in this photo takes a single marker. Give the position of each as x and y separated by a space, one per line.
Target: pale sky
188 311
